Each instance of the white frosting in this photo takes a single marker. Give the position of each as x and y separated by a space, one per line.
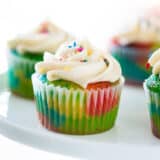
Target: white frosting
146 30
47 37
154 61
68 64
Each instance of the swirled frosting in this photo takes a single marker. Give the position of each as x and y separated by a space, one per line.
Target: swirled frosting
146 30
154 61
47 37
79 63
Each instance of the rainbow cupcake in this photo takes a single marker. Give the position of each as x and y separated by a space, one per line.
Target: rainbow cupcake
77 90
152 90
27 49
133 48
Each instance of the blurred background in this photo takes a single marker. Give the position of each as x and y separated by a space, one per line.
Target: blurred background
96 20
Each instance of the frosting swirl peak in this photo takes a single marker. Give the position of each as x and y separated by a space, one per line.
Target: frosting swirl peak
146 30
79 63
47 37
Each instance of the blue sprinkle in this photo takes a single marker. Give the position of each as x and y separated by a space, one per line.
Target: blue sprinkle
69 46
74 44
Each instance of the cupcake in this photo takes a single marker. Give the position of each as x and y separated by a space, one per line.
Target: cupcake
152 90
27 49
77 90
133 47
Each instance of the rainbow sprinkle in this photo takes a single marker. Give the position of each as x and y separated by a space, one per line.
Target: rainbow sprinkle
44 28
84 60
69 46
73 45
67 68
106 61
80 49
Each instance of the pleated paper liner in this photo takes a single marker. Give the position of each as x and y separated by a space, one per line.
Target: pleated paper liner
76 111
153 101
19 75
133 63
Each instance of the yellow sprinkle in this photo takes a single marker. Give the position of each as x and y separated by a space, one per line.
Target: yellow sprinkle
41 70
89 52
67 68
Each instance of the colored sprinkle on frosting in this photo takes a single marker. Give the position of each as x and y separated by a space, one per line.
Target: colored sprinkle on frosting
79 49
106 61
67 68
44 30
44 27
89 52
84 60
73 45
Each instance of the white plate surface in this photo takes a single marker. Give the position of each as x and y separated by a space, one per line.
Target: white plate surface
18 120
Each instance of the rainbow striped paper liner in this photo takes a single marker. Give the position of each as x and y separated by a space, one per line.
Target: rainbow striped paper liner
19 75
133 63
76 111
153 102
132 52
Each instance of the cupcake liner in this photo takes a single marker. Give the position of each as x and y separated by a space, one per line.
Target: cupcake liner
76 111
132 52
19 75
153 102
133 63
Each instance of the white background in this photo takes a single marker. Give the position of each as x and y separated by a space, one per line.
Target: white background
95 19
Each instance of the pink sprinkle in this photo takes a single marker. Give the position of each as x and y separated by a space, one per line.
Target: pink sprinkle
44 30
44 27
80 49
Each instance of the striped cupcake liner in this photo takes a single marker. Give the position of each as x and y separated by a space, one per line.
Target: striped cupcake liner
76 111
132 52
133 66
19 75
153 101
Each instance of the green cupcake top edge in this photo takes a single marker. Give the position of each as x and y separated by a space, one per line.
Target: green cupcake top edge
28 55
